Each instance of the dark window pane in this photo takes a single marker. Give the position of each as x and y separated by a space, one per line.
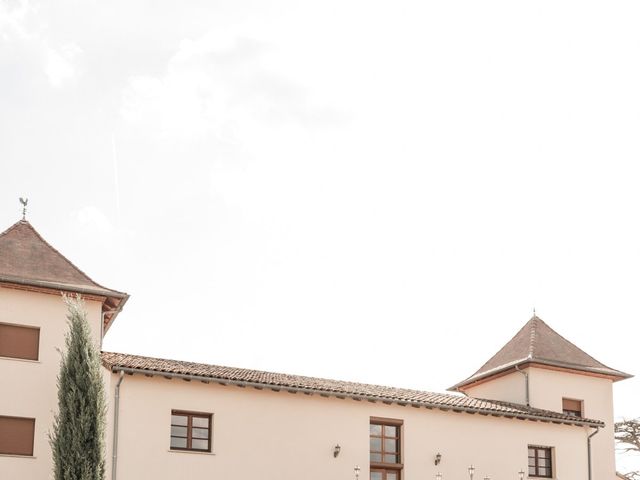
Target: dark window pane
178 442
179 431
390 459
392 476
375 457
200 432
200 422
532 470
375 430
390 431
376 476
532 452
179 420
390 445
200 444
375 444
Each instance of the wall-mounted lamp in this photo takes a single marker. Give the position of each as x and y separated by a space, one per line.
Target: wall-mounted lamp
336 450
521 474
471 472
438 458
438 476
356 470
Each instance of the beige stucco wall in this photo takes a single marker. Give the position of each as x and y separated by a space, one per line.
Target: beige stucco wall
508 388
547 389
29 387
283 436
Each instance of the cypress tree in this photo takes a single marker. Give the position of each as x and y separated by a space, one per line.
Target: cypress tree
77 439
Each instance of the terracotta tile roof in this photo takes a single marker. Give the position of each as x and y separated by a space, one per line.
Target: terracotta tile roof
27 259
537 342
337 388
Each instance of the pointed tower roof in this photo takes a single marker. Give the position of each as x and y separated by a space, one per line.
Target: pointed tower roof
538 344
27 260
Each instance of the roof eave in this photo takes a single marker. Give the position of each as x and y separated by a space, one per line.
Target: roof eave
614 375
371 398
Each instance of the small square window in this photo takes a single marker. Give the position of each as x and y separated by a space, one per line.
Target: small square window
572 407
16 435
18 341
191 431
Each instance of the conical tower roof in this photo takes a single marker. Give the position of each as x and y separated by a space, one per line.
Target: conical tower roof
538 343
26 259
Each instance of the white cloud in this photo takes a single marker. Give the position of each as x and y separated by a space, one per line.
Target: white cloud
21 23
220 84
13 17
93 221
60 66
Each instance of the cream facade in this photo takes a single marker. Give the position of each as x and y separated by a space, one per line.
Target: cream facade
170 419
29 386
281 435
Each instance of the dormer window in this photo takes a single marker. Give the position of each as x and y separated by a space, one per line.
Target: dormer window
572 407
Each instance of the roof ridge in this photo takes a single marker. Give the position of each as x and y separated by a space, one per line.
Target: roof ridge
533 335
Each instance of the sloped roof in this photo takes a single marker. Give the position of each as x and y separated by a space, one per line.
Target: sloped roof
537 342
322 386
27 259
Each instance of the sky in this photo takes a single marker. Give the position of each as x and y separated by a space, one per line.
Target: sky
370 191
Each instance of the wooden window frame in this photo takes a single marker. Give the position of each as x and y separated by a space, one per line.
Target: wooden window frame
18 352
32 432
567 403
536 467
385 466
190 416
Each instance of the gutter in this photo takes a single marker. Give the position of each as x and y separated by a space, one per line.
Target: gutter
589 450
116 412
369 398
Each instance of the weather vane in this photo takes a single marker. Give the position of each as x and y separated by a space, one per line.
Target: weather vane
24 202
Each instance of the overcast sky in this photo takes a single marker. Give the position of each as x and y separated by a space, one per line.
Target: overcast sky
372 191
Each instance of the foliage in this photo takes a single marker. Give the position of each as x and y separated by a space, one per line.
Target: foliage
77 439
627 434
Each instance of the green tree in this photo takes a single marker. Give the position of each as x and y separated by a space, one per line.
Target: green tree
77 439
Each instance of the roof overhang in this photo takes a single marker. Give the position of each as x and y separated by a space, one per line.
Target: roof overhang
112 301
610 374
355 396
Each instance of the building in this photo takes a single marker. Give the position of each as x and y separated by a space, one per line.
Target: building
539 408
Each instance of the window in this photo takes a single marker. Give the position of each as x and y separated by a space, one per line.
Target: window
384 449
572 407
540 461
16 435
19 342
190 431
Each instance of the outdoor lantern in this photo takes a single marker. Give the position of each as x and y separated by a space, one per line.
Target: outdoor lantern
438 458
438 476
471 472
336 450
356 470
521 474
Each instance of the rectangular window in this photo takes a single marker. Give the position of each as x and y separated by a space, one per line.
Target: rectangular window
384 449
540 462
191 431
19 342
16 435
572 407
